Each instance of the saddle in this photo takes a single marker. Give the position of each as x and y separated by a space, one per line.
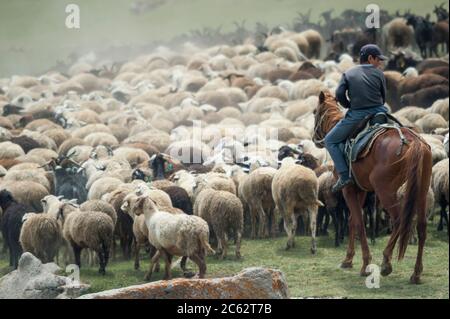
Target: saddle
366 132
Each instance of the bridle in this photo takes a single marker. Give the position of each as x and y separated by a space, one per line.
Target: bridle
320 117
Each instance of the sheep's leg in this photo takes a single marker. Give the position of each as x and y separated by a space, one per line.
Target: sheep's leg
77 254
262 220
273 224
199 259
221 243
152 252
336 222
153 260
312 213
443 218
101 258
137 249
326 224
238 243
186 272
320 216
253 221
168 261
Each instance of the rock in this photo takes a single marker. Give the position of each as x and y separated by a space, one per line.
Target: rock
251 283
34 280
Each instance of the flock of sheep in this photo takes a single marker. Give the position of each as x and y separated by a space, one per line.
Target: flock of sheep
175 150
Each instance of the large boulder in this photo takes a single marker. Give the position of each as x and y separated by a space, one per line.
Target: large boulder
251 283
35 280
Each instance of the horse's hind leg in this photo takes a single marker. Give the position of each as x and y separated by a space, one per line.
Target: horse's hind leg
390 203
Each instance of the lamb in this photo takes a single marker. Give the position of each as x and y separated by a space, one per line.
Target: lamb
180 235
41 235
256 192
295 191
223 212
11 225
440 187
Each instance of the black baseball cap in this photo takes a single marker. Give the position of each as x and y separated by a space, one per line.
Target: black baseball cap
373 50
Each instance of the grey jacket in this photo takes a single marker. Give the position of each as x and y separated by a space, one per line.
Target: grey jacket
366 87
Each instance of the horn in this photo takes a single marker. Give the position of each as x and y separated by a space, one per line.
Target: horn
60 197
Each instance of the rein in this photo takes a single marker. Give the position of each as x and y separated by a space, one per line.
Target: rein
322 118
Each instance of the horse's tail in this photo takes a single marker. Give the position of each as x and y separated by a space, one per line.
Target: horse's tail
414 167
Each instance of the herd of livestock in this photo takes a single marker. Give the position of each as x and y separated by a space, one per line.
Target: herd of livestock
179 151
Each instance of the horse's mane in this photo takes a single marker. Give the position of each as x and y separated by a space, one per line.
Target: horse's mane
327 114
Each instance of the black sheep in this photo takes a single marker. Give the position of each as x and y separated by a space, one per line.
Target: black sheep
11 224
25 142
180 198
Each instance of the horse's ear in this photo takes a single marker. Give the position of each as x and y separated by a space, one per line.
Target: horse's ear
321 97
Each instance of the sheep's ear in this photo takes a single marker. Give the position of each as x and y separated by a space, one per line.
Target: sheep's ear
140 203
321 97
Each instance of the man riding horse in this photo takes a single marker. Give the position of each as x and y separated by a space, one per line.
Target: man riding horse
394 156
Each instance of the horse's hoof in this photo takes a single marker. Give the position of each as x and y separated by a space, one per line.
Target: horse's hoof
102 272
148 277
363 272
415 280
373 242
136 267
313 251
346 265
386 269
238 256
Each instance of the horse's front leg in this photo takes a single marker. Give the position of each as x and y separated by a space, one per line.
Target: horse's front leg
355 200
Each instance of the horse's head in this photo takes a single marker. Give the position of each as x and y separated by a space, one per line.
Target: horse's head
326 115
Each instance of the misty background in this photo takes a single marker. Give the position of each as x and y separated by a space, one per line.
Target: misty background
34 38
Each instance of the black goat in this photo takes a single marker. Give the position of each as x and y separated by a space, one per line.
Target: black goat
11 225
70 179
423 31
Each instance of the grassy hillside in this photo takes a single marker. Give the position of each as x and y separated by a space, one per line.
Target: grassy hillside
33 34
307 275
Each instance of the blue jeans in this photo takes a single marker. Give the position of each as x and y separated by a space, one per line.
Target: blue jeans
336 138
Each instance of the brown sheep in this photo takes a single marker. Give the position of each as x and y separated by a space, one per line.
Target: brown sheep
425 97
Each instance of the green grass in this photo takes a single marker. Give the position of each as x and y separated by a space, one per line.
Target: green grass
307 275
33 34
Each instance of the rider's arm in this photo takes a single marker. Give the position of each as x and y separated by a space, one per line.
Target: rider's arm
383 88
340 92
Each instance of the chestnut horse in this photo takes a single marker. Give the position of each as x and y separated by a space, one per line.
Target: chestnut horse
389 164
